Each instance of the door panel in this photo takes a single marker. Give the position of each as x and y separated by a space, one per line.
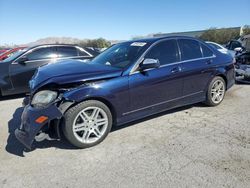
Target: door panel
196 75
154 87
195 68
22 73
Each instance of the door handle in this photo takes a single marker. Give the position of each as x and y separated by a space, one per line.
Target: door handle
176 69
209 61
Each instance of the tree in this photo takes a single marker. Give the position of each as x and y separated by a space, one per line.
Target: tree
95 43
246 30
221 36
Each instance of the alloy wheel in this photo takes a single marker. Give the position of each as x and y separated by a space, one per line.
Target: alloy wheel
90 124
217 91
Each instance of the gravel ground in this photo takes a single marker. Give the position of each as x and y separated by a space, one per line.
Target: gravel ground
193 146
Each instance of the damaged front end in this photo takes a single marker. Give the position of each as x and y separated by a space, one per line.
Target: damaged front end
40 122
242 67
51 88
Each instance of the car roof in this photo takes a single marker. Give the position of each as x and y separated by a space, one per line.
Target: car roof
41 45
154 39
91 52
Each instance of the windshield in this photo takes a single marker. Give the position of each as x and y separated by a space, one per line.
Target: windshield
15 55
121 55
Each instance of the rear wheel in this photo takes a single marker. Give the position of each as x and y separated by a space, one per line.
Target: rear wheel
87 124
216 91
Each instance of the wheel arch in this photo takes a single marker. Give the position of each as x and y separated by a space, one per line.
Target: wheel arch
224 78
220 74
101 99
107 103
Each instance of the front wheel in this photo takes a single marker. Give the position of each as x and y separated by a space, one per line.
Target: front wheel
87 124
216 91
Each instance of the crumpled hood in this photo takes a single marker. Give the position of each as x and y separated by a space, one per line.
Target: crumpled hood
72 71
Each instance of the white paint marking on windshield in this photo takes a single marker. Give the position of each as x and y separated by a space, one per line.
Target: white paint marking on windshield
140 44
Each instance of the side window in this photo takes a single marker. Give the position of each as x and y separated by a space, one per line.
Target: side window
206 51
214 46
42 53
235 44
190 49
66 51
166 52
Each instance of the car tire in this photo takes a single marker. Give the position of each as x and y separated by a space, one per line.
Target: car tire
216 91
87 124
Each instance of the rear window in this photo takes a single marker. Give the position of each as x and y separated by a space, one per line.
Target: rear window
190 49
206 51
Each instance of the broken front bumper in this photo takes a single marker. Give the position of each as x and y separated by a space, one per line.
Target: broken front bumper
30 126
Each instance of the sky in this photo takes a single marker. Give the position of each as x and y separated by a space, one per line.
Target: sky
23 21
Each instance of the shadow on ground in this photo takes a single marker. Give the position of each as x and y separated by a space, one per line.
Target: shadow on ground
16 148
13 146
11 97
242 82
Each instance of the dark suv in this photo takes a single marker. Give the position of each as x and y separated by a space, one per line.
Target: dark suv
17 70
126 82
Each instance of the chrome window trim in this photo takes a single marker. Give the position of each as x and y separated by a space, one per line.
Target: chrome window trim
29 51
81 49
207 47
46 59
163 102
133 70
176 63
54 59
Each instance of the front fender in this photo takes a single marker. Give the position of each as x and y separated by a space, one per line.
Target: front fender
88 91
113 92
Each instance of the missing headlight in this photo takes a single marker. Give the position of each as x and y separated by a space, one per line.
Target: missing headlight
43 98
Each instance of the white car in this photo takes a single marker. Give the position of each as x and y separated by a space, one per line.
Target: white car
221 48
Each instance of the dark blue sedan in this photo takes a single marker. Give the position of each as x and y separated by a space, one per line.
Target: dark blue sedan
128 81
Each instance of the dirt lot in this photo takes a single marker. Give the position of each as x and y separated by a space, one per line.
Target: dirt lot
194 146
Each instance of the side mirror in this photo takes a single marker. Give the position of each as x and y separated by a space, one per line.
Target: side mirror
239 49
22 60
149 64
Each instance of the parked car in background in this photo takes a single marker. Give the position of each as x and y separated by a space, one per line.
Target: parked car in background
126 82
93 51
17 70
243 60
233 44
9 53
221 48
4 50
